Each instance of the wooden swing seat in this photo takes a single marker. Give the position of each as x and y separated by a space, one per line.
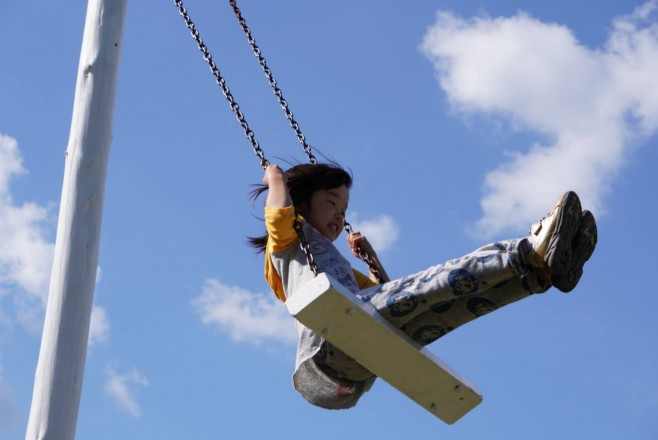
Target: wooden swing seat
356 328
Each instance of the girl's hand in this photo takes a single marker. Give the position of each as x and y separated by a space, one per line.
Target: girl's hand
277 184
355 241
273 173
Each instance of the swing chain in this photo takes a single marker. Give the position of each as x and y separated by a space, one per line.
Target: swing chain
222 83
245 126
273 83
366 258
295 126
306 247
264 163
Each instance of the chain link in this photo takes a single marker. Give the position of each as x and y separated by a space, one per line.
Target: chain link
222 83
306 247
270 77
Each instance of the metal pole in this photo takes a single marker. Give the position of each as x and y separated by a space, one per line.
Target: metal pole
60 369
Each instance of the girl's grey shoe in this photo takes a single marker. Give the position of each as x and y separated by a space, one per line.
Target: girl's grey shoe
583 248
553 236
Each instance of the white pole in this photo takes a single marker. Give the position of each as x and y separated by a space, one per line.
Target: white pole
58 379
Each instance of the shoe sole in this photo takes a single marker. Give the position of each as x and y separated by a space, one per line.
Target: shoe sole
583 248
560 247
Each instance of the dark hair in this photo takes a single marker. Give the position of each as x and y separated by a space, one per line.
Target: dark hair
303 181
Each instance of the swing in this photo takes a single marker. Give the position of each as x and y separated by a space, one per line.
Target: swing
332 311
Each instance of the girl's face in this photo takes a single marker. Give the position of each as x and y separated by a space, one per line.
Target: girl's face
326 212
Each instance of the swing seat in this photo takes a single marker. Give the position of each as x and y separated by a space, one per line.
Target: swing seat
356 328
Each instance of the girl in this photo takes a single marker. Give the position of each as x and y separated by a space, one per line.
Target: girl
426 305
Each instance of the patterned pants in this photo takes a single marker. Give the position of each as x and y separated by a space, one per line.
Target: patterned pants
432 303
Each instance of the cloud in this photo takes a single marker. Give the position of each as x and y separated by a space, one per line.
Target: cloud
99 327
381 231
246 316
120 388
11 162
25 252
591 106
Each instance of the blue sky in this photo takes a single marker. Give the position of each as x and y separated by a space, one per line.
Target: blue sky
462 121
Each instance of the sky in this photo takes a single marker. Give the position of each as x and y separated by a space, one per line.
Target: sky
462 121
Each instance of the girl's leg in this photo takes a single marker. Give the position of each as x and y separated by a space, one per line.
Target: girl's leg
433 302
449 315
400 301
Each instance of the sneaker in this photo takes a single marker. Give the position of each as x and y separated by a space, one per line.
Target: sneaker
583 248
552 237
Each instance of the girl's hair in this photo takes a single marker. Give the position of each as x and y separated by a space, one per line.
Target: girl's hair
303 181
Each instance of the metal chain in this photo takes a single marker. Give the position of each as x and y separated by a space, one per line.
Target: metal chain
243 123
273 83
250 134
306 247
295 126
222 83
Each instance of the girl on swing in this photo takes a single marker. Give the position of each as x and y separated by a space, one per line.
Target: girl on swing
425 306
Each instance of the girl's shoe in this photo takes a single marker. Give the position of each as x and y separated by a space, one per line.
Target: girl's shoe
553 236
583 247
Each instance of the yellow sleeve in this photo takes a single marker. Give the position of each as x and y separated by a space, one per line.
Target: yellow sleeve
280 236
280 231
363 281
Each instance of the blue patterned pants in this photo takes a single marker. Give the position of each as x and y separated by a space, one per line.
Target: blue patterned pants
432 303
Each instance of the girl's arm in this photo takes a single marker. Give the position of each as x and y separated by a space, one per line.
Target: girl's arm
276 182
355 241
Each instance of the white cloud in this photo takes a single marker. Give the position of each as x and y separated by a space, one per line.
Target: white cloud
592 104
11 162
381 231
25 251
26 254
120 387
99 327
246 316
